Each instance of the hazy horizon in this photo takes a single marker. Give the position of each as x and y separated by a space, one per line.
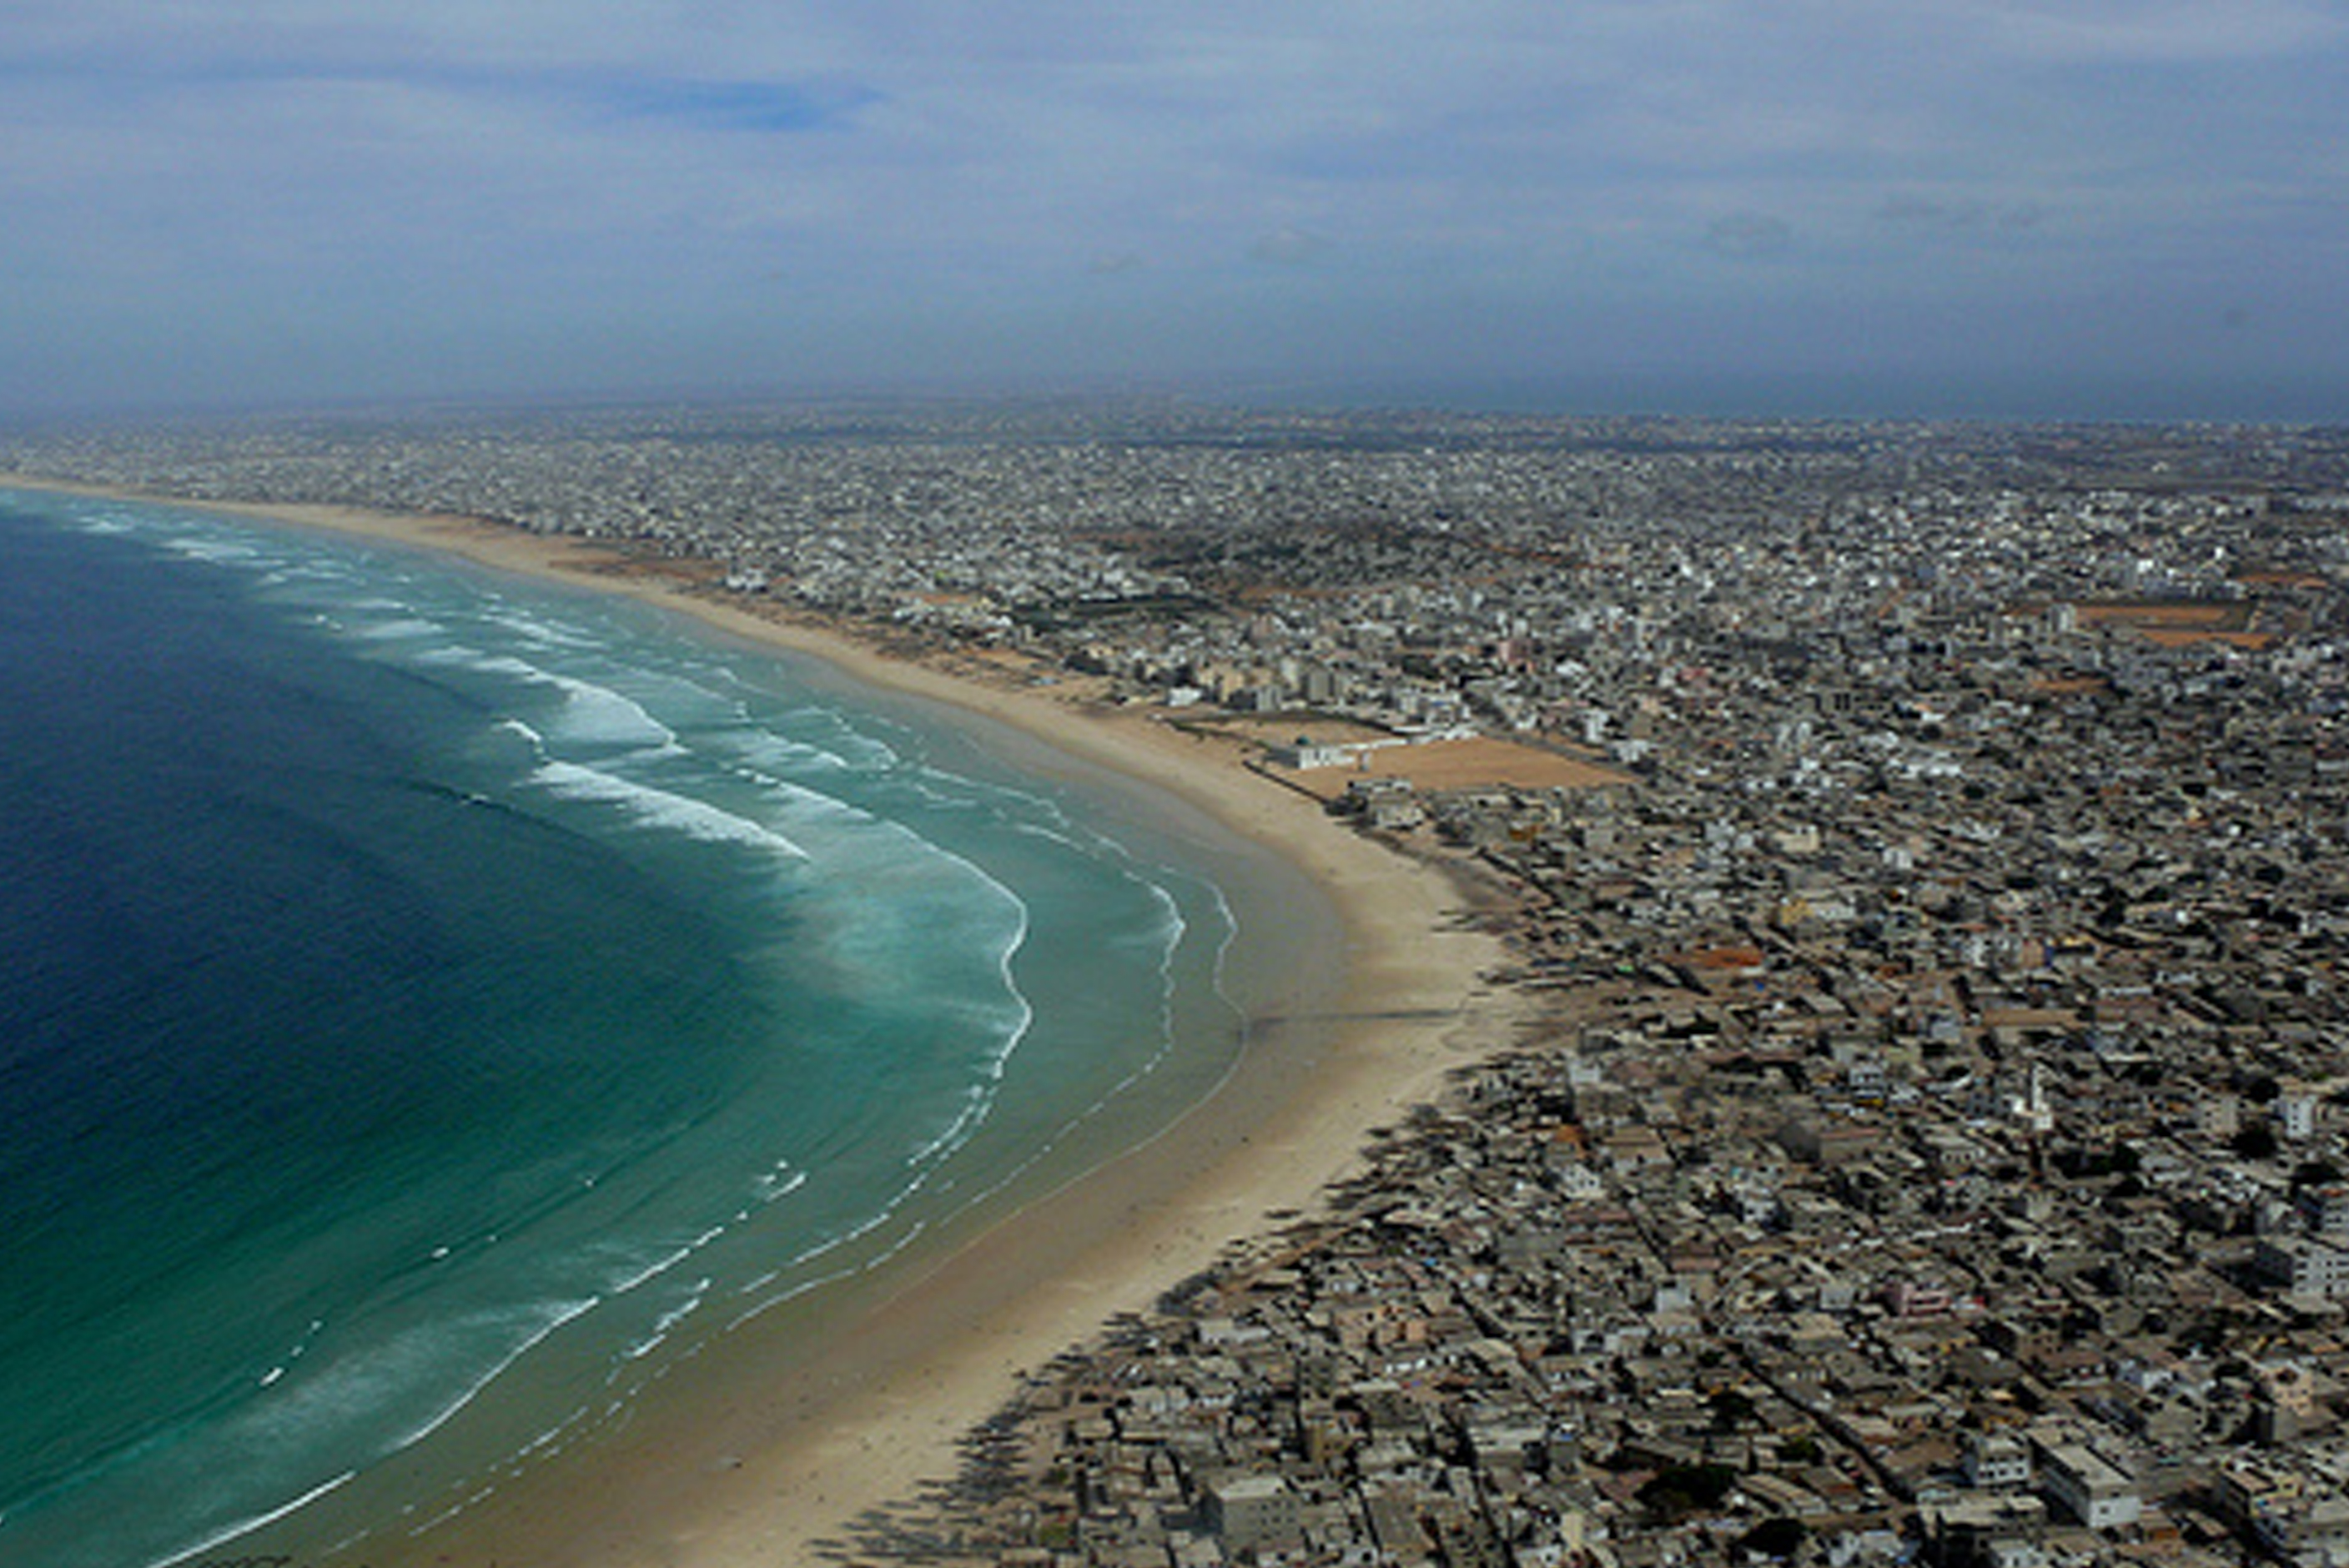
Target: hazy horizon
2096 209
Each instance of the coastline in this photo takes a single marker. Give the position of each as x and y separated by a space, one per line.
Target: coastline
757 1454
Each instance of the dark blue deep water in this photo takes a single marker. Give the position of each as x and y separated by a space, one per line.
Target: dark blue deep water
427 1000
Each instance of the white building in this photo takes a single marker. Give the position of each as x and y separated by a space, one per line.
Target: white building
1996 1459
2296 1114
2086 1486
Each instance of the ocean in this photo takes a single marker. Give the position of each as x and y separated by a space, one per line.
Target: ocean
432 1001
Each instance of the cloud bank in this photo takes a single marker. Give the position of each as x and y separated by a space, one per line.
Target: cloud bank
301 200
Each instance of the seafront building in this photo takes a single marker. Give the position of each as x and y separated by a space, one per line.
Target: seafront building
1929 1144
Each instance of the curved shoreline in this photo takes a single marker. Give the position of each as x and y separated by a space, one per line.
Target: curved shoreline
761 1451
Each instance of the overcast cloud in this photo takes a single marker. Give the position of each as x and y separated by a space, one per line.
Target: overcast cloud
2098 206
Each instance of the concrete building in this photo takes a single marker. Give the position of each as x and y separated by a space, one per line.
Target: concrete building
2088 1487
1996 1459
1250 1512
2299 1266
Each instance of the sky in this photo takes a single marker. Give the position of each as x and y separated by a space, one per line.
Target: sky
2034 208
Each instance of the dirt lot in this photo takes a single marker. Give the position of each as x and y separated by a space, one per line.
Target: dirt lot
1458 764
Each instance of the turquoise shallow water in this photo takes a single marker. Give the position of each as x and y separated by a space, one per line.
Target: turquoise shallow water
432 1001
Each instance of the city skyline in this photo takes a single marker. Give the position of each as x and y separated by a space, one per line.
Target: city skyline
2091 210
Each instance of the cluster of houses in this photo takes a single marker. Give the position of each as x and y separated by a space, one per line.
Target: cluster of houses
1928 1136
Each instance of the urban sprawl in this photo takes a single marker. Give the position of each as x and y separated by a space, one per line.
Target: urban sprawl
1923 851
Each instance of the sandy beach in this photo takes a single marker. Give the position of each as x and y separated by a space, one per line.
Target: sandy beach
759 1452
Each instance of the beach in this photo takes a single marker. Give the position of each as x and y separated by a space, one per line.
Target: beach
768 1448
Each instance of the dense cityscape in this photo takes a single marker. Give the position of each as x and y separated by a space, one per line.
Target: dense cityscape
1923 852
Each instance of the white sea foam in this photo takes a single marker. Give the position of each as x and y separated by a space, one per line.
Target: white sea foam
917 910
773 1186
212 548
307 570
806 806
662 808
696 1293
1024 1010
815 731
548 632
247 1526
644 1274
598 714
667 1322
1164 937
399 630
591 714
547 1318
463 656
770 754
865 751
799 1287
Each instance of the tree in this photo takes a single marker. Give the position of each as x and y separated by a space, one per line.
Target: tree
1777 1536
2315 1173
1731 1409
1675 1492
